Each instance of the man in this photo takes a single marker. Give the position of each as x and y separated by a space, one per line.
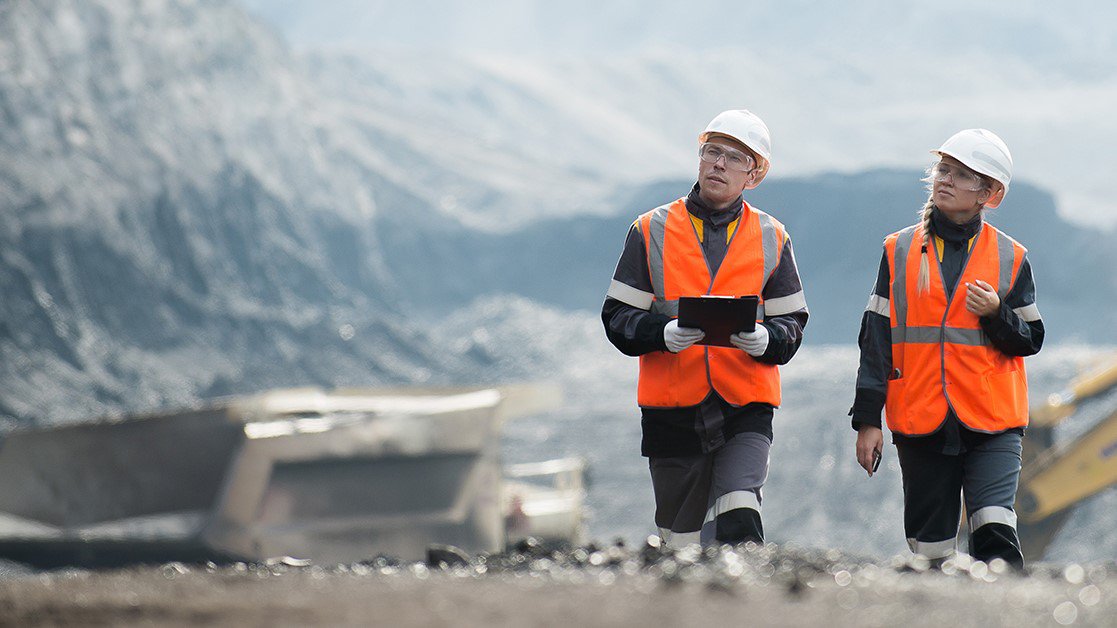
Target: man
707 410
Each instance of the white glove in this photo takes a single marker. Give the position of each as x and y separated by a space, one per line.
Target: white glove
679 338
754 342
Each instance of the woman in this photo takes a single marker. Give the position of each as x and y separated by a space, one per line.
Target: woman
942 344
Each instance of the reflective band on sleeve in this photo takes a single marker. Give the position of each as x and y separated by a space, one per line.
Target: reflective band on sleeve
679 539
1028 313
732 501
878 304
656 231
993 514
937 549
785 305
627 294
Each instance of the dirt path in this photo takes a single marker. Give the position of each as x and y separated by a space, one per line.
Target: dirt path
743 588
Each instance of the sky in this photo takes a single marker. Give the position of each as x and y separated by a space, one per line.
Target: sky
1040 74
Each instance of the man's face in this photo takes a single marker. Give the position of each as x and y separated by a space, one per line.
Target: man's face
719 185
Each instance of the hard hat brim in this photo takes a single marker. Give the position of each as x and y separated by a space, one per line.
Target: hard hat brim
997 196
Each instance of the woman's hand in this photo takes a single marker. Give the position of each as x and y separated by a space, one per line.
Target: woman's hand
982 299
870 441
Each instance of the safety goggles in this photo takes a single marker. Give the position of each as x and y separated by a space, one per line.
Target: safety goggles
734 159
963 178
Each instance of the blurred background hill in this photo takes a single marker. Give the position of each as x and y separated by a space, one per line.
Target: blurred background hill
837 223
195 206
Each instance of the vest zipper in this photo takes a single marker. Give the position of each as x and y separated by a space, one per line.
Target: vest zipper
950 296
713 276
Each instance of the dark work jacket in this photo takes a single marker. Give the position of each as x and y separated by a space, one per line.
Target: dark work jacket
671 432
1008 332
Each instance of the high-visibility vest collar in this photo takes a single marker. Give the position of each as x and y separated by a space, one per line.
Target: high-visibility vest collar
677 266
941 356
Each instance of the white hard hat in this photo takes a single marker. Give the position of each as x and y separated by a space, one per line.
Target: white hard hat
983 152
747 128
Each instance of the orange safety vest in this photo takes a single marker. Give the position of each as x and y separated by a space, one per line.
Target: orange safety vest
941 358
678 267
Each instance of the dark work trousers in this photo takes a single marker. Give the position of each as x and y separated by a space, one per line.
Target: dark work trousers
715 497
986 476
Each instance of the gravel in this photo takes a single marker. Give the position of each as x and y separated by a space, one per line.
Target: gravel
598 585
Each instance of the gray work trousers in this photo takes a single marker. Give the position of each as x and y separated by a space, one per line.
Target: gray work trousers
935 485
715 497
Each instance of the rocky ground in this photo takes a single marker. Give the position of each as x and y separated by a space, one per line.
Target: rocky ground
593 586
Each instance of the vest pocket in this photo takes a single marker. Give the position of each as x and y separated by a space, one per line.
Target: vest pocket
661 383
1008 394
895 406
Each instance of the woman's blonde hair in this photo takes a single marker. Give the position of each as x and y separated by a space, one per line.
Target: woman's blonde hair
924 265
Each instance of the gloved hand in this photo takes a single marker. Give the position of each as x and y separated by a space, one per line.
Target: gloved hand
679 338
754 342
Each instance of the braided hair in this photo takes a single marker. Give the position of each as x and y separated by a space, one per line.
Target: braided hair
924 281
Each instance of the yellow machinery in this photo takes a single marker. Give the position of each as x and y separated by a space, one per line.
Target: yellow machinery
1056 478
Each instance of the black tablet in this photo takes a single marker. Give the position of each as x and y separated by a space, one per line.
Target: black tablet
718 316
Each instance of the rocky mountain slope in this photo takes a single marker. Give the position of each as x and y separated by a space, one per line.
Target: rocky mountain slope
178 219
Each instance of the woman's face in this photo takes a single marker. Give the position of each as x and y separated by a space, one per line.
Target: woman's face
958 191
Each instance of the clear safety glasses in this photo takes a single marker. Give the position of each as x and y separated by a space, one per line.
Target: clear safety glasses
964 178
734 159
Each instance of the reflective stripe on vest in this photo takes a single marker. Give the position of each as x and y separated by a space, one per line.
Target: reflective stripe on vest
678 267
941 357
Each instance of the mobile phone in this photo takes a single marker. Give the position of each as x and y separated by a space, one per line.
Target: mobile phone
876 460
